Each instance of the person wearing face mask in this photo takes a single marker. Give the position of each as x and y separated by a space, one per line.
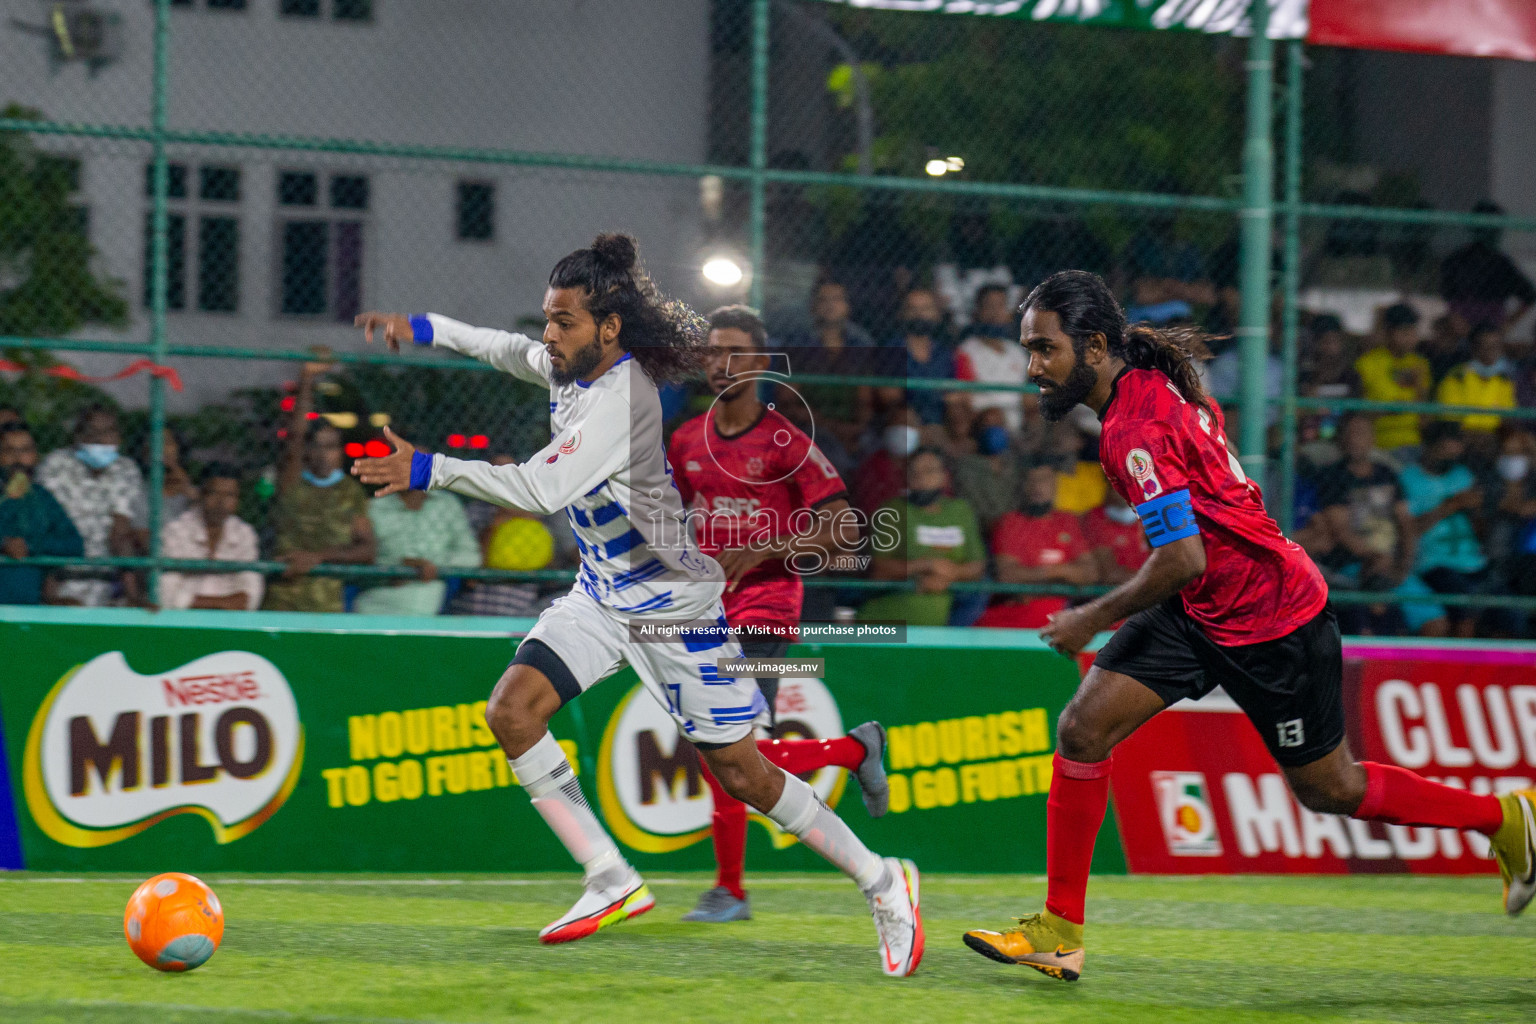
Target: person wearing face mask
1037 543
936 543
991 352
1486 380
103 493
989 477
32 522
929 358
321 512
1512 533
1113 531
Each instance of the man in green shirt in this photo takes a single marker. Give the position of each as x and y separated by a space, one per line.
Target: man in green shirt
927 537
425 530
32 522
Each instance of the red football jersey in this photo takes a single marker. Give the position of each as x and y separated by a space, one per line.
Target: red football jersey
1169 460
1127 542
1055 538
752 482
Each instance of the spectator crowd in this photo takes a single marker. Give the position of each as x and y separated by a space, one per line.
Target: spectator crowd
980 488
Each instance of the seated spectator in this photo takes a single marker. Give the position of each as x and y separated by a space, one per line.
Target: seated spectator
1363 537
1441 491
211 530
1118 540
321 513
103 493
1327 370
1478 281
937 543
1396 372
32 522
1038 543
177 493
10 414
1512 534
1487 381
1080 483
988 478
1446 347
833 345
928 358
830 326
991 353
883 475
424 530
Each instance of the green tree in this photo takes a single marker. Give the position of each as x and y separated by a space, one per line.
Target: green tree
47 286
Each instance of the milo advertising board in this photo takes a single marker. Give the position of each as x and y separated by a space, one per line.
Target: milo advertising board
210 742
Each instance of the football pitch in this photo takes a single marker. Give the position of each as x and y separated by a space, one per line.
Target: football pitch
347 948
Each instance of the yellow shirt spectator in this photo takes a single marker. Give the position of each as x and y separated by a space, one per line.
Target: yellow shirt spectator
1485 381
1389 377
1081 490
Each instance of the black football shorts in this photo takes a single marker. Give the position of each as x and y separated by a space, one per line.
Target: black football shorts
1292 687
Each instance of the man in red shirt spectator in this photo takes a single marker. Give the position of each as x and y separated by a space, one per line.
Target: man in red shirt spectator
1038 544
1119 545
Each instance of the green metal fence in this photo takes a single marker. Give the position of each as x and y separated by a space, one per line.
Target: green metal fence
873 145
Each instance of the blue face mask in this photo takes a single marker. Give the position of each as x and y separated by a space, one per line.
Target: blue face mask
97 456
992 440
330 479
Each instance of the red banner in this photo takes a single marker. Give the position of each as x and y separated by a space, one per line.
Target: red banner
1197 793
1471 28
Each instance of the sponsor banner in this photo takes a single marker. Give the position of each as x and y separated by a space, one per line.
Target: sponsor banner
1471 28
1287 18
138 742
1196 791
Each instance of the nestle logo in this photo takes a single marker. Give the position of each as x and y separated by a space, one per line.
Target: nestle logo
211 689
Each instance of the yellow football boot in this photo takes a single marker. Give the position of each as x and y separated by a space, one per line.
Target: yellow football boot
1514 847
1050 944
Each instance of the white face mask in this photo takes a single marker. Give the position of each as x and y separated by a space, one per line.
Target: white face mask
900 440
1513 467
1122 514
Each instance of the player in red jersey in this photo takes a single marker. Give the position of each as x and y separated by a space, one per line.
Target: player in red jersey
1225 599
762 494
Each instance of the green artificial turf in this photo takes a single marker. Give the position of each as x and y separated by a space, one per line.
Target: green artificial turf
356 948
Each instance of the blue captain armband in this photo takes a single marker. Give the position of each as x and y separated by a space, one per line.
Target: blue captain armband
1168 518
421 329
421 471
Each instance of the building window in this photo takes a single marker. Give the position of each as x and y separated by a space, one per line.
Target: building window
226 5
341 10
217 239
63 171
321 269
477 211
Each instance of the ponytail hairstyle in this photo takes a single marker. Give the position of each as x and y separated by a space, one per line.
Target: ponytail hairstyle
1085 306
665 336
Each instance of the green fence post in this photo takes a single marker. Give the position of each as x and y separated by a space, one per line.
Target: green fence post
759 156
158 272
1257 215
1291 282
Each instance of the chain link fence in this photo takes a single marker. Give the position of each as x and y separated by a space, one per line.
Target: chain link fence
197 196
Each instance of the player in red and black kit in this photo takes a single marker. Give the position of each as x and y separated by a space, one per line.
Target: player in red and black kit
1224 600
762 495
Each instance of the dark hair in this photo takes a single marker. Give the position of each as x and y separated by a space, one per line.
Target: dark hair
928 449
15 427
218 471
92 410
1399 315
1484 328
988 289
740 318
1086 307
665 336
1439 430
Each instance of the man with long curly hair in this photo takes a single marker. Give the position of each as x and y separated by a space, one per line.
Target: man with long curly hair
610 339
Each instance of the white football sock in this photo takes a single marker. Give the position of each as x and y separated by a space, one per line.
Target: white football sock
551 784
805 817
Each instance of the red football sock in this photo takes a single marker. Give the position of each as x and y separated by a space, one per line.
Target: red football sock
728 828
801 756
1399 797
1073 814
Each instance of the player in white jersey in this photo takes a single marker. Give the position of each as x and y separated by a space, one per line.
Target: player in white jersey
610 338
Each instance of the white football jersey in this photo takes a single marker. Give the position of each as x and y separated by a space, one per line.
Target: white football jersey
606 465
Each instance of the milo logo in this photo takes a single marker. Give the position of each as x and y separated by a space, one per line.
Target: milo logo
111 752
649 782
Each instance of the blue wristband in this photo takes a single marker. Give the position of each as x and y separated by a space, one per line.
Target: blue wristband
1168 518
421 329
421 471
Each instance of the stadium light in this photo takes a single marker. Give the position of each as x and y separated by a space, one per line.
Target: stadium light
723 271
936 168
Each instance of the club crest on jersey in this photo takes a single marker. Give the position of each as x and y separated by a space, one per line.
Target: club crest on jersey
567 446
755 466
1139 464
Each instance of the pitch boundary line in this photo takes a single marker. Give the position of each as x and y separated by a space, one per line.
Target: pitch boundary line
505 882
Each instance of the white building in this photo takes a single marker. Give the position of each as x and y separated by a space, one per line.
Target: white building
278 248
